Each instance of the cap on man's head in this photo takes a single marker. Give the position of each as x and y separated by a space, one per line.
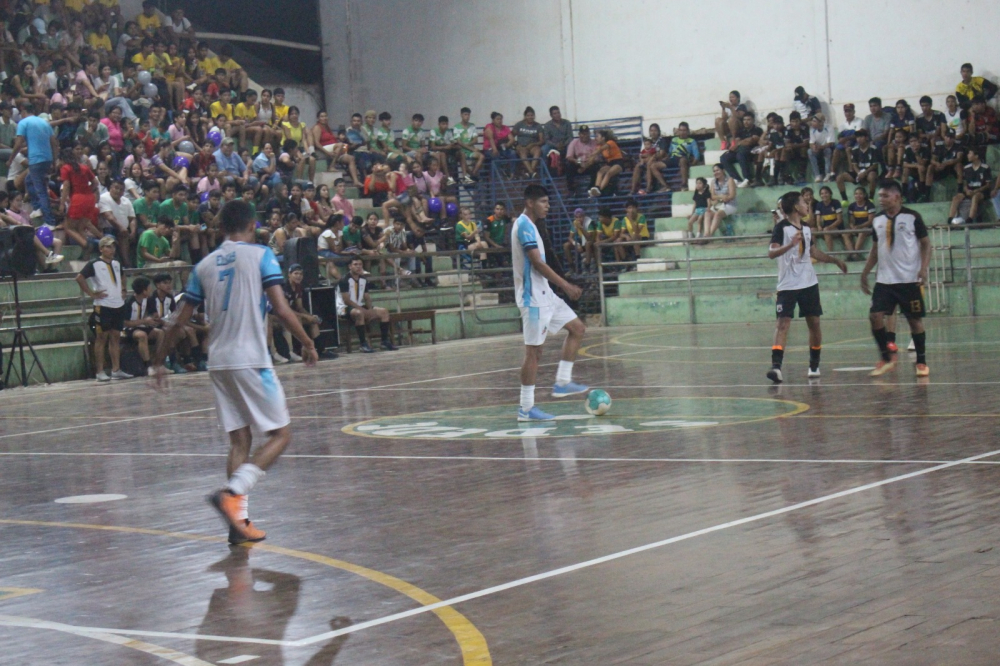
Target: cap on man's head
106 241
229 141
584 128
294 267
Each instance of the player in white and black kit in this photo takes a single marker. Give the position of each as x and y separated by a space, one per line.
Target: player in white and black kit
101 280
232 282
792 245
902 250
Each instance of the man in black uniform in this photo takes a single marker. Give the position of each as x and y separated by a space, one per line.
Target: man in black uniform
864 161
902 250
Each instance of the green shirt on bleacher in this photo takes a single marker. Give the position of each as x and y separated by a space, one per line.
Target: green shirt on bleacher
179 214
155 245
464 231
150 210
350 238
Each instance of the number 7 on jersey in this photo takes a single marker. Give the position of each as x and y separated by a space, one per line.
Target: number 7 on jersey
227 276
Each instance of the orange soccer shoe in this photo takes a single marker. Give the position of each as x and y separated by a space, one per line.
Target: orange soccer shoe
249 534
882 367
231 508
923 370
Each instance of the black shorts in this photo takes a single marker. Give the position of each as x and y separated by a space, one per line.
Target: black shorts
109 319
908 296
807 299
130 332
619 163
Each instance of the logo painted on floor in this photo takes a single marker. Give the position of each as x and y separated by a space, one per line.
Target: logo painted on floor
628 415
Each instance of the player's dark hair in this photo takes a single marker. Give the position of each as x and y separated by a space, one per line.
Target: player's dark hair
794 115
966 65
534 192
236 216
926 98
165 221
442 119
418 116
631 202
140 284
788 202
875 100
862 132
604 211
890 185
160 278
465 109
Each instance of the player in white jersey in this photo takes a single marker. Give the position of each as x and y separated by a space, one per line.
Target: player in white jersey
542 312
234 283
793 247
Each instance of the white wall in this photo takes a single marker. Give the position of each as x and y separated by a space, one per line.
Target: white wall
667 61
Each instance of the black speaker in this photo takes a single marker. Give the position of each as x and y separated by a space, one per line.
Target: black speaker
304 252
17 251
322 302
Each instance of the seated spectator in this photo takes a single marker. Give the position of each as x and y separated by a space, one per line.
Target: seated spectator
466 136
354 290
613 163
291 228
209 220
829 216
327 146
119 217
740 151
983 123
860 215
558 135
971 87
916 159
140 325
26 87
722 202
378 188
529 136
340 202
580 159
160 245
930 124
398 242
190 352
290 161
441 143
295 295
15 216
232 166
945 161
498 139
730 120
821 142
702 194
807 105
978 184
581 242
237 75
149 20
864 163
265 168
385 139
772 142
328 245
467 236
414 140
178 28
955 117
373 245
431 183
901 125
877 123
209 182
796 150
497 227
682 153
652 160
810 219
101 280
635 227
845 137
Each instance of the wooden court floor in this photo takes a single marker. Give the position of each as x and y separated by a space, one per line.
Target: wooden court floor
708 519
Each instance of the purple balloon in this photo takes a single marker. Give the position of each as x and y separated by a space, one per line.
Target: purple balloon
181 162
451 209
204 197
44 234
434 205
215 136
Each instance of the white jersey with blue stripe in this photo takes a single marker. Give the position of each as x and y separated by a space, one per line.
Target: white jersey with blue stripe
531 288
231 283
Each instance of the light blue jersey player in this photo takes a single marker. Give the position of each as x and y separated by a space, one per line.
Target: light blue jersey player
542 311
235 284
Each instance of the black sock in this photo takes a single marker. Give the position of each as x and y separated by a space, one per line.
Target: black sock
920 342
843 195
777 170
777 356
890 336
883 342
384 327
814 357
362 336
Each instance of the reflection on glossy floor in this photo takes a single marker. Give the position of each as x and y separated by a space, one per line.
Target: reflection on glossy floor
709 519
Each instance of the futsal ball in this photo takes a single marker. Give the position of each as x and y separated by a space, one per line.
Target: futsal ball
598 402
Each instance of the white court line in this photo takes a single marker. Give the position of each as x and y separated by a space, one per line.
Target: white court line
310 456
633 551
105 423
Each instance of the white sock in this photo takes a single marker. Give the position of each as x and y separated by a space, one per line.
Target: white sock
244 507
244 479
564 375
527 398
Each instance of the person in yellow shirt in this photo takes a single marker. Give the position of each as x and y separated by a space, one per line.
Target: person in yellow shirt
100 42
208 62
149 20
77 6
145 59
237 76
222 113
280 108
635 227
252 128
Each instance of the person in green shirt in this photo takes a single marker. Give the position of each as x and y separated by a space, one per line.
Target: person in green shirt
414 142
466 135
582 240
442 143
154 248
635 227
350 240
467 235
147 209
180 211
385 139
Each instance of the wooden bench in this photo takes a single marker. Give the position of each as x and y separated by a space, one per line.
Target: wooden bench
395 318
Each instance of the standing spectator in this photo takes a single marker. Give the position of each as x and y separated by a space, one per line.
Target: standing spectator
930 124
466 135
101 280
978 185
877 123
728 123
78 197
845 137
971 87
614 162
821 142
119 215
558 134
37 135
741 150
353 289
807 105
530 136
863 163
578 159
722 203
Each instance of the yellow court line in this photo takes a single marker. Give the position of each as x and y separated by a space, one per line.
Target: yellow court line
8 593
471 641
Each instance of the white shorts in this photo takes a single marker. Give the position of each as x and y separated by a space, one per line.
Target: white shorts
249 397
539 322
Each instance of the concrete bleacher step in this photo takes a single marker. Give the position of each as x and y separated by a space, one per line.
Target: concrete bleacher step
482 299
47 327
712 157
63 362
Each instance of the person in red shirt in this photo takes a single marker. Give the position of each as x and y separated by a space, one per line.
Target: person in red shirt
79 197
984 125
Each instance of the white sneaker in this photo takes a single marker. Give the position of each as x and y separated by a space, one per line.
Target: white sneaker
827 178
35 214
450 181
292 356
103 377
743 183
594 192
151 371
121 374
957 220
812 374
466 180
53 258
818 179
912 346
279 359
